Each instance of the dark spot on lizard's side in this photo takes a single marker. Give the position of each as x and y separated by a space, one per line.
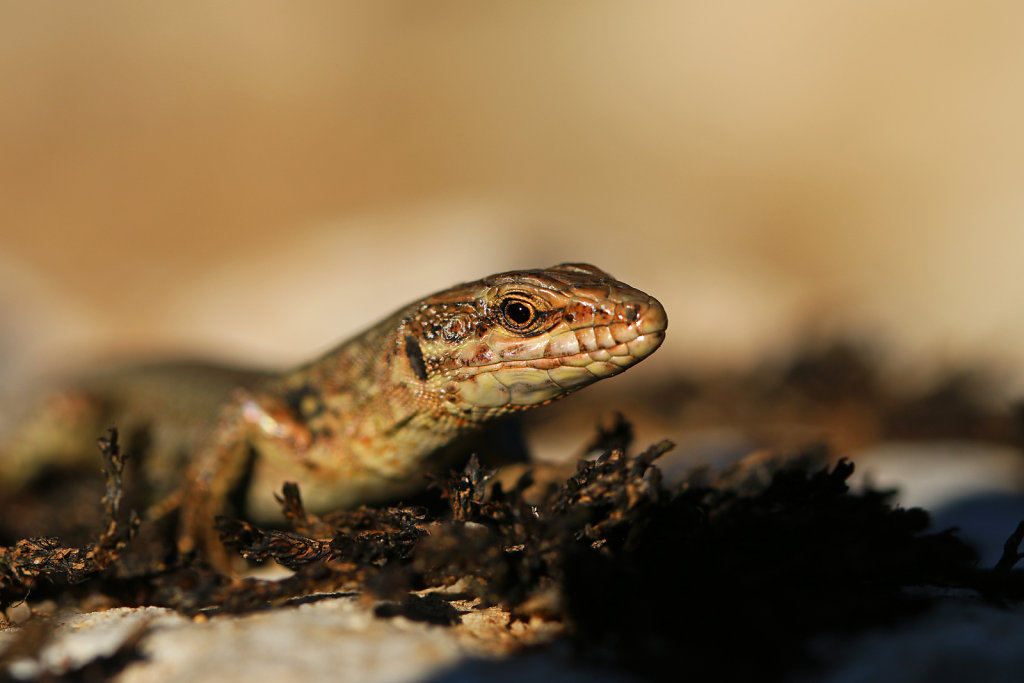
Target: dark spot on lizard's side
415 354
304 401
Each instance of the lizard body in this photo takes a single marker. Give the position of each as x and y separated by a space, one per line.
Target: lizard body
367 419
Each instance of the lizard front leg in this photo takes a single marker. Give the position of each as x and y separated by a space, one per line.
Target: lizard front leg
221 463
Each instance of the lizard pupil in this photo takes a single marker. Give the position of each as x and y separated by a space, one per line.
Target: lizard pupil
517 312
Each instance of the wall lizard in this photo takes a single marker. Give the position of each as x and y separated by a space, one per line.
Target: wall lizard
368 419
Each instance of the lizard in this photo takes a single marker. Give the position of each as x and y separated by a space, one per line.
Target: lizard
369 418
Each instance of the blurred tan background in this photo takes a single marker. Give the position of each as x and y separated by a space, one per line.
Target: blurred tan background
256 180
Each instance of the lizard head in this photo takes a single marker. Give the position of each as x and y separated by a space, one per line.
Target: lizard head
524 338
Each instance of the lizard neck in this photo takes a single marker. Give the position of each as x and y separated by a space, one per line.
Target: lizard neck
362 399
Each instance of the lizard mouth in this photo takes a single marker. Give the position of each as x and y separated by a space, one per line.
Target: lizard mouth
618 356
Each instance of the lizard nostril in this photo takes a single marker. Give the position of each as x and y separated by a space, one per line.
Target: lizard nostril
631 313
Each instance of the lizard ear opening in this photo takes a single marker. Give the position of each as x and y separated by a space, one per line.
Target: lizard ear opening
415 355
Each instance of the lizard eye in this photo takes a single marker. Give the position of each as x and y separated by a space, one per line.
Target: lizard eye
517 313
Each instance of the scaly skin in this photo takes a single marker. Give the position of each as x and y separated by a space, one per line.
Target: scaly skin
369 418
